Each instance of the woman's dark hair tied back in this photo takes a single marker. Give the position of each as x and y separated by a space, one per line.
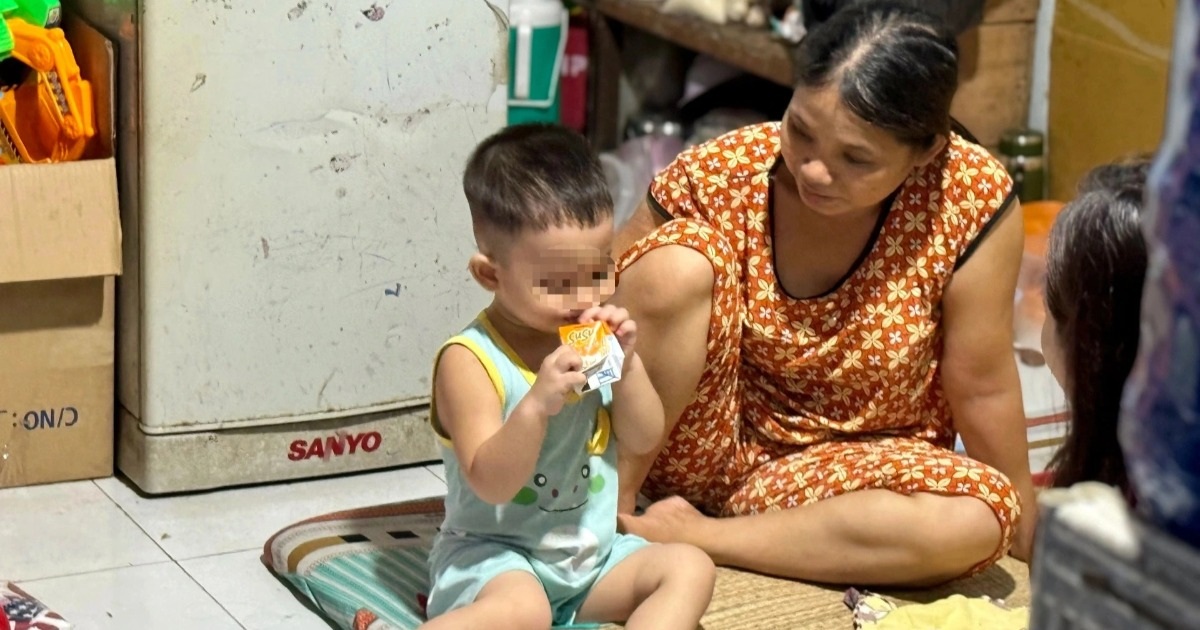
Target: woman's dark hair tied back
896 67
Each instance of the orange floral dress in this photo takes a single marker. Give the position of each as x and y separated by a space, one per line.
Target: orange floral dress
806 399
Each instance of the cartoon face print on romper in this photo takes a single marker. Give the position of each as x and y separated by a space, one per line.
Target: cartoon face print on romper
568 549
571 491
568 496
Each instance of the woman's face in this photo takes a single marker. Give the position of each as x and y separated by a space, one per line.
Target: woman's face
841 163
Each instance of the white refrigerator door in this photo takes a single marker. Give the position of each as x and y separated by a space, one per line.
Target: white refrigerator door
304 237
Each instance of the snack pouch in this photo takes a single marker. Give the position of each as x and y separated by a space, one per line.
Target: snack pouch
597 346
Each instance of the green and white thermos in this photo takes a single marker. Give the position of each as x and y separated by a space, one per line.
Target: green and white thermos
537 38
1022 151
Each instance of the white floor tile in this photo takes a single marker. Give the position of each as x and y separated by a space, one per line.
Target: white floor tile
255 597
65 529
152 596
205 524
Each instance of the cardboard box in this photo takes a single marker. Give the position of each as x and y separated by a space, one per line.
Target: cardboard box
60 246
1108 84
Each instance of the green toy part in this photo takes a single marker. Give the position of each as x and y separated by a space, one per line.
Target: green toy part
597 484
43 13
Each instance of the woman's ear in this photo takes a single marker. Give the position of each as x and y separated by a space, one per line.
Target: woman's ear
924 157
483 269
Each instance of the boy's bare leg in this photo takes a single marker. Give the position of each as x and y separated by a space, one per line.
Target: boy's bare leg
511 601
660 587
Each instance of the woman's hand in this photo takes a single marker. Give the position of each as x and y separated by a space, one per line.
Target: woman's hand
1023 539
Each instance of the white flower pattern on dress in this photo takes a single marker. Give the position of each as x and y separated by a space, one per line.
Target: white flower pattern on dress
785 377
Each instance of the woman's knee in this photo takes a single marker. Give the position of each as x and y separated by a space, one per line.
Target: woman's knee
970 531
982 533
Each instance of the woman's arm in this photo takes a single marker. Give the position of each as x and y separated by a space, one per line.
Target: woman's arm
643 221
979 372
668 293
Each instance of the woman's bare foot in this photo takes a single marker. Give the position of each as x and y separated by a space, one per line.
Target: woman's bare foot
671 520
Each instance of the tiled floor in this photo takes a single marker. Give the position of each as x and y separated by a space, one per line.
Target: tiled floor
108 558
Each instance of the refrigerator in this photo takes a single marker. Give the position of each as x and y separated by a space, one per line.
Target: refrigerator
296 238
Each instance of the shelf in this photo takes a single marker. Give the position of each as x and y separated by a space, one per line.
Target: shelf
994 88
750 49
754 50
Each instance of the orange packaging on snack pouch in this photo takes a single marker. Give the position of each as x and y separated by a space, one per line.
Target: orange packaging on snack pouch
598 348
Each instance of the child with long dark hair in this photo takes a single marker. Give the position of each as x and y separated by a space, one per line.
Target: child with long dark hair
1095 269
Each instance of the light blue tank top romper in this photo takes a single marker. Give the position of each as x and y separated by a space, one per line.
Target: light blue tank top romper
561 527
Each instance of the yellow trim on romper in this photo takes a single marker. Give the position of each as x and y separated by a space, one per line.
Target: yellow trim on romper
488 366
597 445
530 375
501 343
599 442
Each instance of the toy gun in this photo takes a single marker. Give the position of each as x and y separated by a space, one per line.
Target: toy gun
47 117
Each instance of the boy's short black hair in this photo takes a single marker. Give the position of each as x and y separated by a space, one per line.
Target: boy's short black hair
533 177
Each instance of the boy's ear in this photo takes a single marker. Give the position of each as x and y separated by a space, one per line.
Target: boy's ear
483 269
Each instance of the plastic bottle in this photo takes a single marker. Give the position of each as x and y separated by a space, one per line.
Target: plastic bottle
1023 153
537 39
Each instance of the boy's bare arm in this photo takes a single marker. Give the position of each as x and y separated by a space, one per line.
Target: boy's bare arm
497 457
638 418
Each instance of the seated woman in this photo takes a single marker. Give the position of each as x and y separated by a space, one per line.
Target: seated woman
1095 269
825 302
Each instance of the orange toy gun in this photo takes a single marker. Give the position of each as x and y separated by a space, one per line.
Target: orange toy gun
48 117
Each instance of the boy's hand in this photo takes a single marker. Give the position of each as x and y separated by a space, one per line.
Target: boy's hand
557 379
618 322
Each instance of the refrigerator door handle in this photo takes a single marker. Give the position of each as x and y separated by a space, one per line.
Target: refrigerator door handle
524 62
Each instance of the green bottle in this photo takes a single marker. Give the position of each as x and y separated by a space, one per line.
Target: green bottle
537 40
1022 151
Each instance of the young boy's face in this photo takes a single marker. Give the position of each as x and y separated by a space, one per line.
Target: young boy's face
547 278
